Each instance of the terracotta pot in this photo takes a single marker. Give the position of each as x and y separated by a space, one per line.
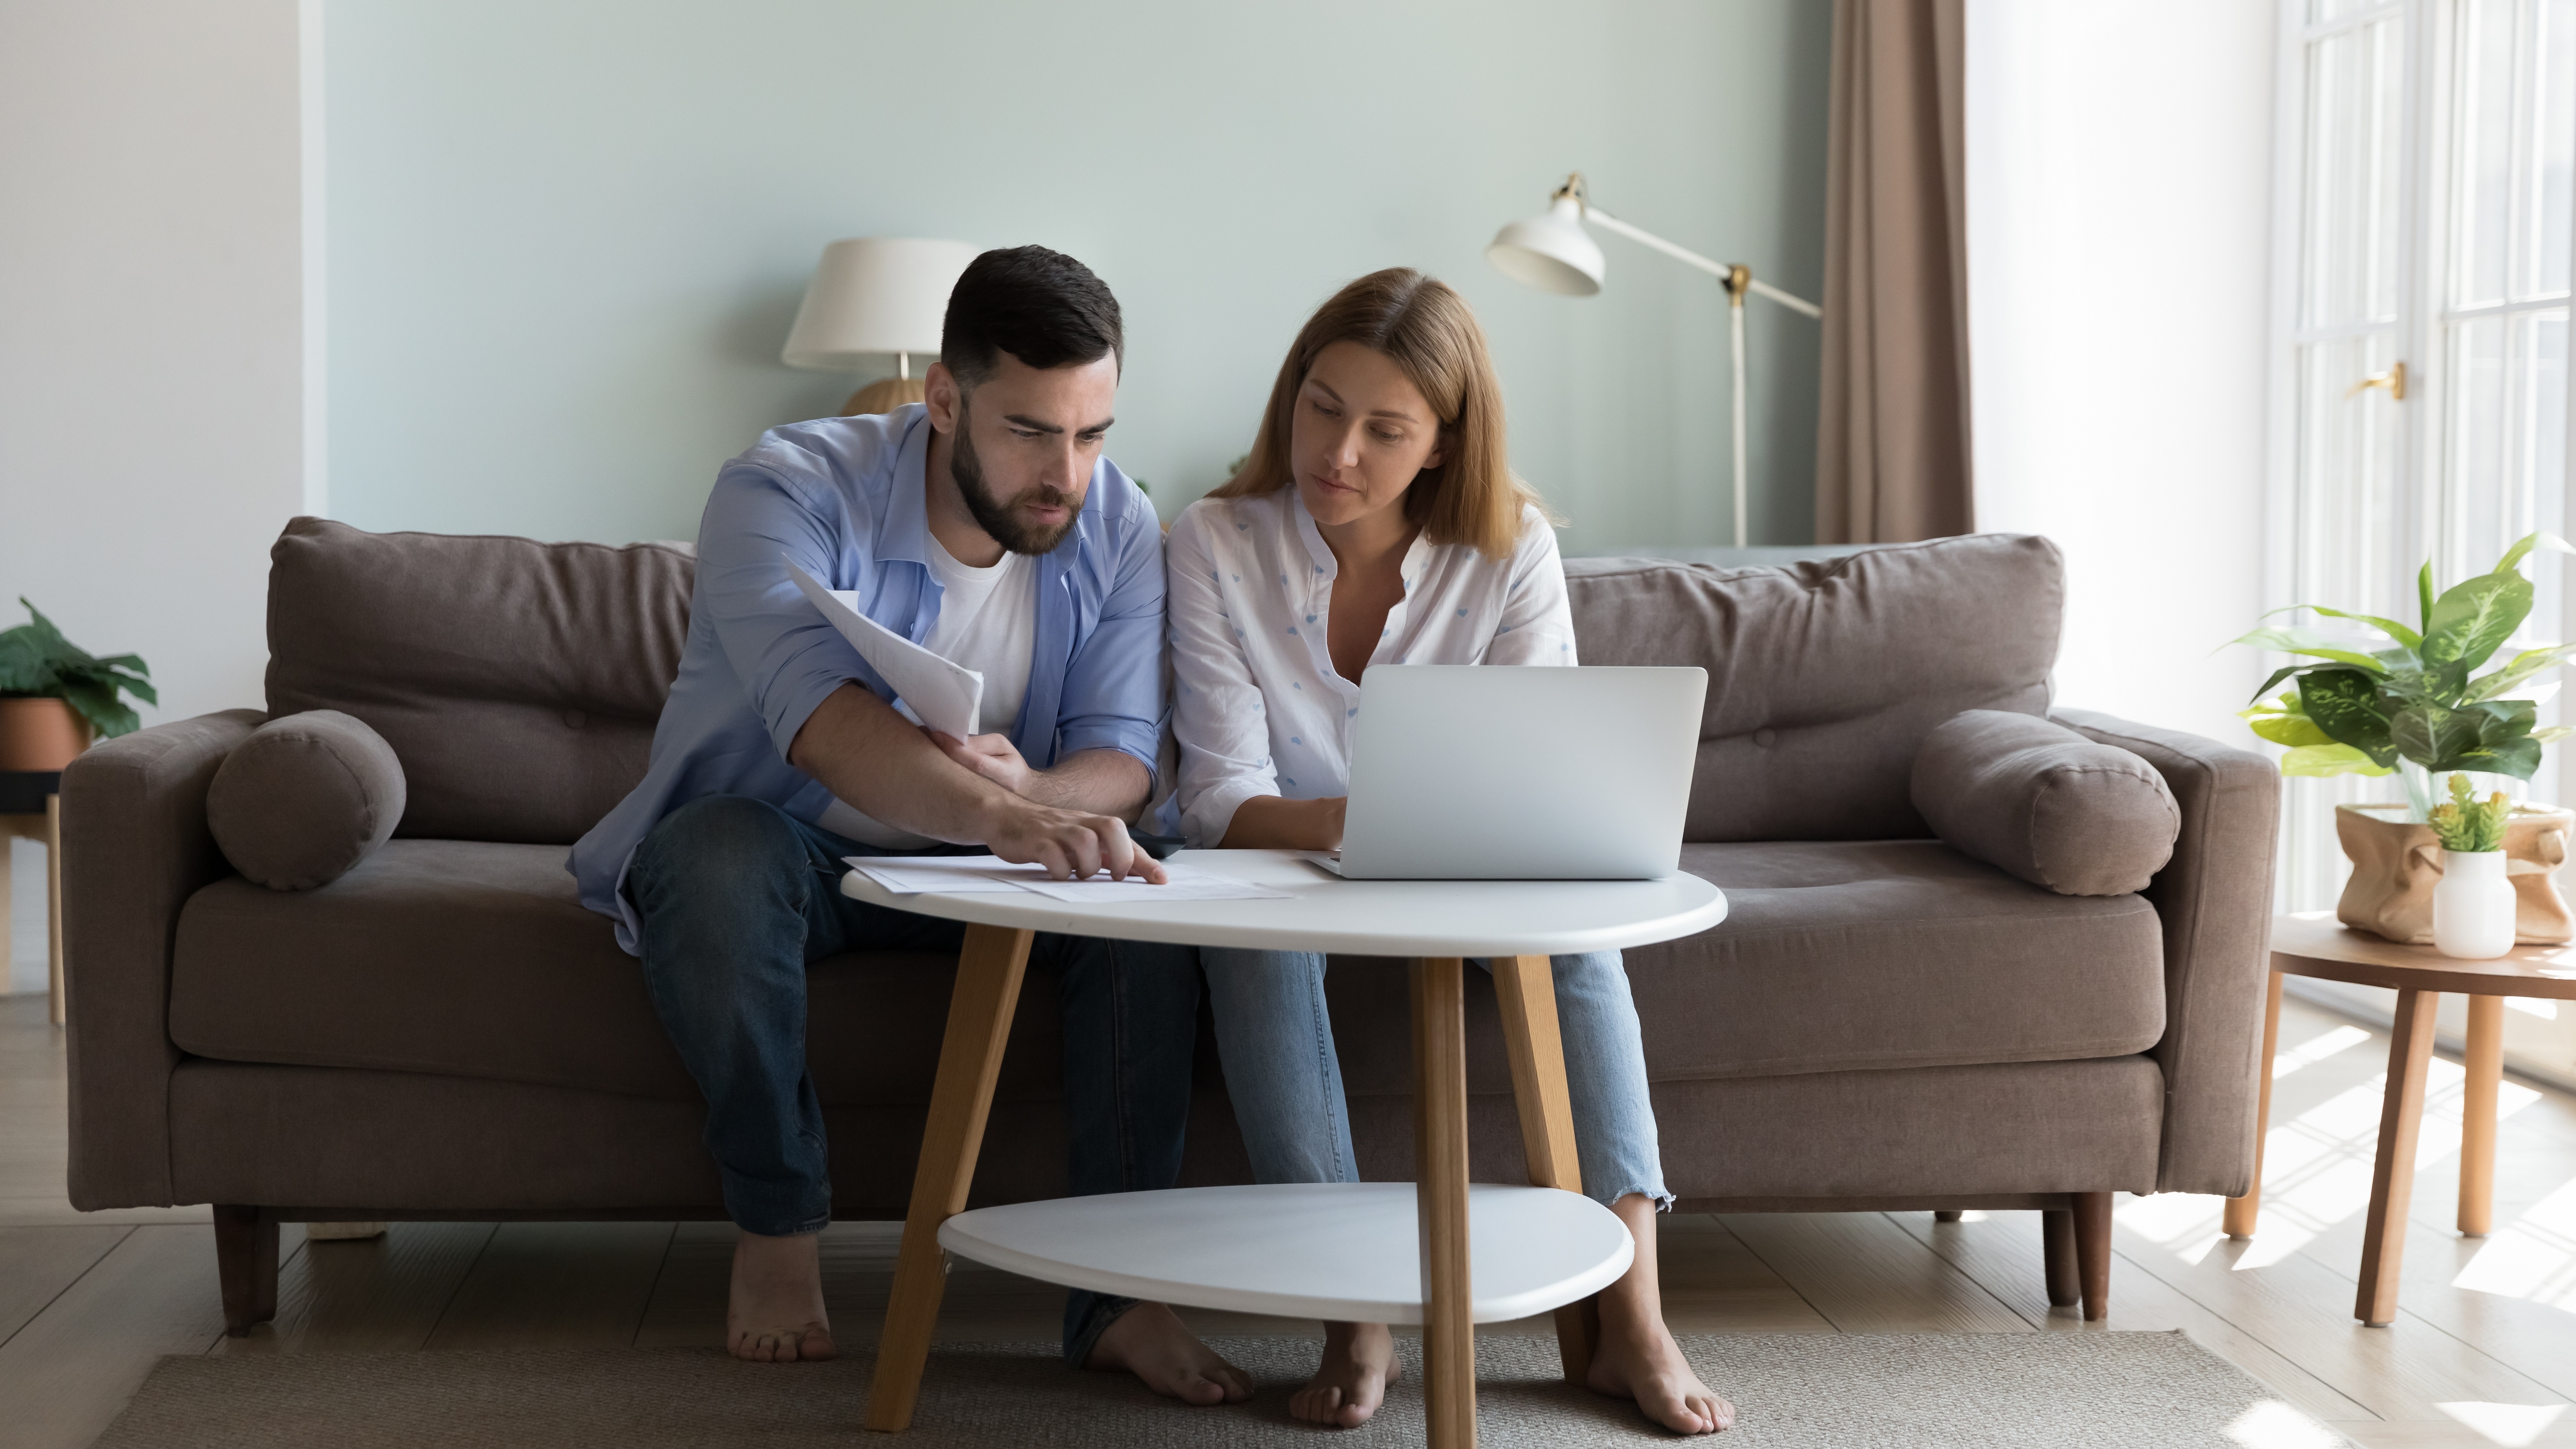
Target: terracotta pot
40 734
2397 862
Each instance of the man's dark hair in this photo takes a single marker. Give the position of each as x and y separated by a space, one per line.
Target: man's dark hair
1040 306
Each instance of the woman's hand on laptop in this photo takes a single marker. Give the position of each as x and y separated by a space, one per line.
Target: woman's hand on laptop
1071 845
1266 822
992 756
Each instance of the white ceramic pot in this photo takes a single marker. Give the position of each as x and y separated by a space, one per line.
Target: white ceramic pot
2473 906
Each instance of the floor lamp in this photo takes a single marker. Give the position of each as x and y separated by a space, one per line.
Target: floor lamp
1552 252
874 296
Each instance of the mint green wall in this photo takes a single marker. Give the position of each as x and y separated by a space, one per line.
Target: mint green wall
566 237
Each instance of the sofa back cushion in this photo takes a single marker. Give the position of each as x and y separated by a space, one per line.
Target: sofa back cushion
1824 677
517 681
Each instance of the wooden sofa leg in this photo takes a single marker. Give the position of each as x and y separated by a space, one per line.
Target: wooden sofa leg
2057 1240
2092 1214
1945 1216
246 1265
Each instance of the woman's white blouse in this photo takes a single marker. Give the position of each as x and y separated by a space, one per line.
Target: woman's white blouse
1259 708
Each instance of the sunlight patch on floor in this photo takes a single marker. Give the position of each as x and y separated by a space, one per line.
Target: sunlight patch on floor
2316 1049
2533 1257
2272 1424
2512 1425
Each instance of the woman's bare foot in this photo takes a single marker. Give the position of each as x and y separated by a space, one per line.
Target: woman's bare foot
774 1312
1150 1341
1635 1356
1359 1362
1648 1367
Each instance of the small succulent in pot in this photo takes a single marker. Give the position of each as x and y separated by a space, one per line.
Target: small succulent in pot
37 662
2467 823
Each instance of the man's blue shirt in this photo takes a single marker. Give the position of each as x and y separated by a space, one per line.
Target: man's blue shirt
844 498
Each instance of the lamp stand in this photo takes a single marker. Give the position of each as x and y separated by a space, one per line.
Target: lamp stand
886 394
1739 280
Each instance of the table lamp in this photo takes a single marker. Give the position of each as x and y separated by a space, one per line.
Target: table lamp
1552 252
874 295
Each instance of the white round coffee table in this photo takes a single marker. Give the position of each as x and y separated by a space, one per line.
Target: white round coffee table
1373 1251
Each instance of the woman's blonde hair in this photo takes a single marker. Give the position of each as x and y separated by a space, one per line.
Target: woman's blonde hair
1471 497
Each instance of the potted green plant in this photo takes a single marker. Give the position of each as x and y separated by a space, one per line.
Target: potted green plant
54 696
2423 705
2474 905
2421 701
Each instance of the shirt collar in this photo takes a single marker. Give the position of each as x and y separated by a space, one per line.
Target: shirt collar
1416 554
907 518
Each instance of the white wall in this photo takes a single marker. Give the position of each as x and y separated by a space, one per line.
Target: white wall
151 370
567 236
2119 220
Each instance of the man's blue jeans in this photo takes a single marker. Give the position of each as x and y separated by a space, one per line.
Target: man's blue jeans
736 897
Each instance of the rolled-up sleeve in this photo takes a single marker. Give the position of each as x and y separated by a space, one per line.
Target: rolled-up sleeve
1113 685
1537 626
1223 730
787 657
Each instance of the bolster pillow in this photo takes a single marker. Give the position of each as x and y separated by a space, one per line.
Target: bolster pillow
304 799
2029 796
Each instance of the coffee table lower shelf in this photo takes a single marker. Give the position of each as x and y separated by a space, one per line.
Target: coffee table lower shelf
1344 1252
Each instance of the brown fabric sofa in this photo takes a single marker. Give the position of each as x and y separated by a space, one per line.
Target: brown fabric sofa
444 1032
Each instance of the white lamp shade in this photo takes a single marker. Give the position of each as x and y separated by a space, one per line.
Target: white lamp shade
1551 252
872 296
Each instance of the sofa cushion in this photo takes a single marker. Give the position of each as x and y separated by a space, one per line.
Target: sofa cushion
518 681
1824 677
2034 798
469 959
304 799
1836 956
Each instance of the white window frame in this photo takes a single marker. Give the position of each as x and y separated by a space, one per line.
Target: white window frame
2428 164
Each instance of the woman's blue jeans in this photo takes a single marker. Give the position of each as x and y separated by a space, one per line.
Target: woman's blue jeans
1276 1039
736 897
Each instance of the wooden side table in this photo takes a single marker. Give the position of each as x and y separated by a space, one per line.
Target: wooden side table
31 808
2314 943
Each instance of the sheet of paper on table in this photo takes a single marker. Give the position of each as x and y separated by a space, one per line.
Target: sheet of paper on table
907 875
914 874
1187 883
945 696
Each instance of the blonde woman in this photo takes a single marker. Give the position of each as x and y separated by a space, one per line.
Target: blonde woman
1377 522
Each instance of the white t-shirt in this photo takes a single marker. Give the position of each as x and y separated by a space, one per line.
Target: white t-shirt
988 622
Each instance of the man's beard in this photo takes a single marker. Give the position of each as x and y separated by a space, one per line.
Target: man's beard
1003 524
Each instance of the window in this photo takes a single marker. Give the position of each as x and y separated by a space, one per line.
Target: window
2421 410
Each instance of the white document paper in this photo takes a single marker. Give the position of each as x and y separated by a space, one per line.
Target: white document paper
1187 883
945 696
907 875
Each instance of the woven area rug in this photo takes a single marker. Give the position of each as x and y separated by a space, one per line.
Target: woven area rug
1792 1391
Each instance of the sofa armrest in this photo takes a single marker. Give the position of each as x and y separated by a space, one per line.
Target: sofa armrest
135 847
2215 899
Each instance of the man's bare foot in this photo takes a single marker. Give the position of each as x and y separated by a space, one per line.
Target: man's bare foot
1359 1362
774 1312
1641 1362
1150 1341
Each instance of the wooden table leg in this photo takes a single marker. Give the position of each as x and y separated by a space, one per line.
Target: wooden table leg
2478 1114
1440 1197
970 1058
54 908
2242 1211
2392 1172
1525 986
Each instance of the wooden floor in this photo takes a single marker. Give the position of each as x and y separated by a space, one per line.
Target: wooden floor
2484 1352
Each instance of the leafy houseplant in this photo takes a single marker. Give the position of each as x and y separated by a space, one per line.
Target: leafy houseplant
2422 700
37 662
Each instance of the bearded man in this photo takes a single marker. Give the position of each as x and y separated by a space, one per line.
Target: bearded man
986 526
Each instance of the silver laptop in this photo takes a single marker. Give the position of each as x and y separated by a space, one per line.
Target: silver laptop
1492 772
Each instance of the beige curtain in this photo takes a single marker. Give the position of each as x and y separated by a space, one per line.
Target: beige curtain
1892 444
